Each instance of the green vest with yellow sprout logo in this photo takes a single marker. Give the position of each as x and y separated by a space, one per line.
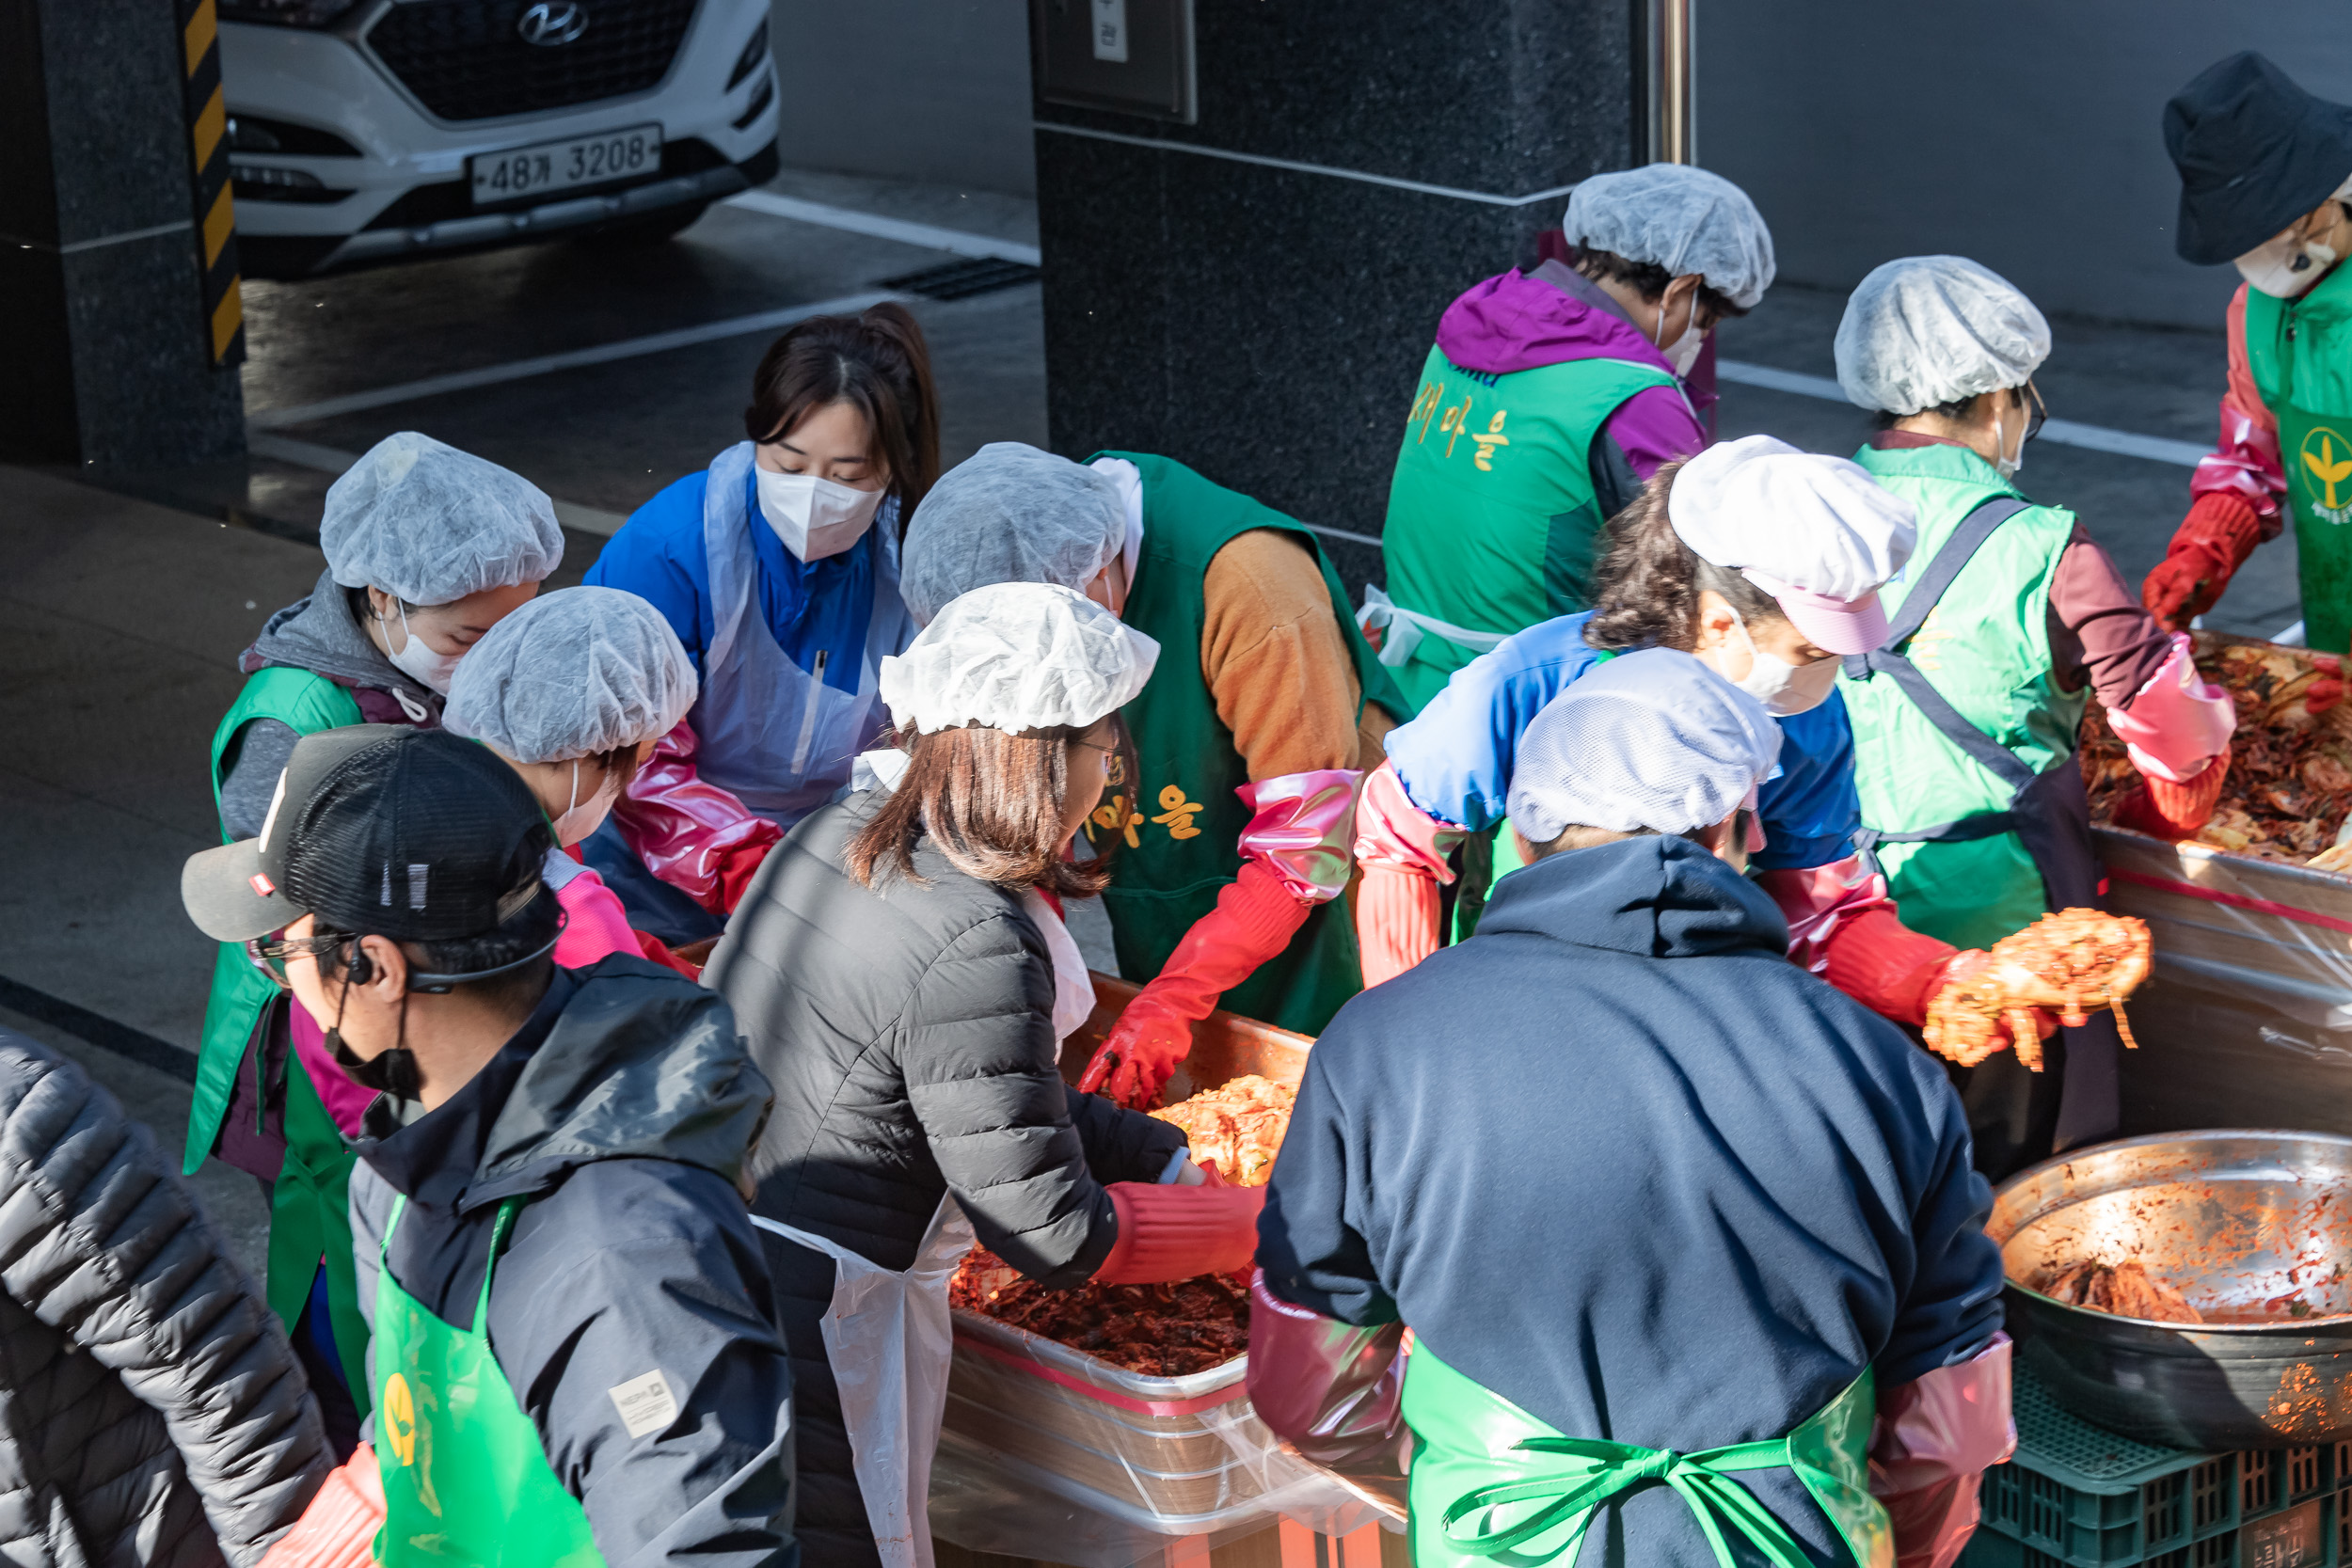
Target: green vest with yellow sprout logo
1177 829
2300 352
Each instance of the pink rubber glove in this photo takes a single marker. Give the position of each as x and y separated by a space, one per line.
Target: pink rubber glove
1402 851
338 1529
1176 1232
1255 918
2176 723
1929 1452
693 835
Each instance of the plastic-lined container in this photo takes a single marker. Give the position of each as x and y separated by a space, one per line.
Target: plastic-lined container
2079 1497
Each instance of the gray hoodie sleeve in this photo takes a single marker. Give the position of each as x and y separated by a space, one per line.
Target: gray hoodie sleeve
263 747
633 1316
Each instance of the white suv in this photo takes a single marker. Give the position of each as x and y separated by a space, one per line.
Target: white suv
365 131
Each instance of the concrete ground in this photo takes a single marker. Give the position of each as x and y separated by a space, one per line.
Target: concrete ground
127 607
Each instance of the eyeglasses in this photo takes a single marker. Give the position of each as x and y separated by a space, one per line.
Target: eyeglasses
270 957
2038 416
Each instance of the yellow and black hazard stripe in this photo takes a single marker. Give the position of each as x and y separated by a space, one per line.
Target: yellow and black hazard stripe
215 213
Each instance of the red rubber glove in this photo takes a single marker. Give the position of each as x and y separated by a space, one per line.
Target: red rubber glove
1896 972
653 947
1255 918
338 1529
735 865
1175 1232
2211 543
2170 811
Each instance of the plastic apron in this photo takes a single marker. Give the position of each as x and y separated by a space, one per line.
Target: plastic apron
779 738
2299 351
1490 1482
465 1478
2016 1117
888 1339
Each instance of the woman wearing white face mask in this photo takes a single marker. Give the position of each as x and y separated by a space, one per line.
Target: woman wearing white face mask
573 690
778 569
427 548
1964 730
2266 169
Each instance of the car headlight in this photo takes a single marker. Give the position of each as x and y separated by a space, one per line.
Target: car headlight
285 13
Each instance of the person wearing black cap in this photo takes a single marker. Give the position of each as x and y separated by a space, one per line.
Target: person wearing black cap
2264 170
574 1355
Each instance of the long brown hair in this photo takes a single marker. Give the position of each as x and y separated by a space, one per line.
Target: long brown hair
1645 590
991 801
875 362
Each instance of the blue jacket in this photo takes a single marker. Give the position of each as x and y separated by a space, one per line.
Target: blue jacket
1455 758
659 555
1621 1163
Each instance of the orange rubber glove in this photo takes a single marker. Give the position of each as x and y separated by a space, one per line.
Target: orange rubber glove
2211 543
338 1529
1256 916
1896 972
2170 811
1174 1232
1401 853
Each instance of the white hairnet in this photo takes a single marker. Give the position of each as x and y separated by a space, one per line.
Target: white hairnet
577 671
418 518
1931 329
1684 219
1017 655
1652 739
1009 513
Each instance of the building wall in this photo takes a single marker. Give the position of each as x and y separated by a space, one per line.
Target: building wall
2023 132
936 90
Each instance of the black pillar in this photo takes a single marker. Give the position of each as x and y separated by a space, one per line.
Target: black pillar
121 338
1209 298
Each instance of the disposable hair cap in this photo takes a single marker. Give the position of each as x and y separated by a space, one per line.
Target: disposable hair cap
1017 655
1925 330
418 518
1683 219
1009 513
572 673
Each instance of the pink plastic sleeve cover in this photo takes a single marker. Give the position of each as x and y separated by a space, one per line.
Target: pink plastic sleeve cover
595 927
2176 723
683 828
1301 825
1934 1440
2244 462
1392 831
1816 898
1335 1392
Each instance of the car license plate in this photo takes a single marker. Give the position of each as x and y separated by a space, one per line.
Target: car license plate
556 165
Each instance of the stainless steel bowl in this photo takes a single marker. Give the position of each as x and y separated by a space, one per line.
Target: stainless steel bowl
2254 1227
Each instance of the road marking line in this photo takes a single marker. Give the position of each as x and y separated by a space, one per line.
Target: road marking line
2065 432
522 369
956 242
334 460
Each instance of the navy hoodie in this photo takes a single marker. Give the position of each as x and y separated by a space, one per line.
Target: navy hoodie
1619 1161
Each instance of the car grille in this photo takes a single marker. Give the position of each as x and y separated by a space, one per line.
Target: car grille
465 59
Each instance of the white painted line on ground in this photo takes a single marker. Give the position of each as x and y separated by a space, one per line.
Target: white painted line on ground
956 242
334 460
521 370
2065 432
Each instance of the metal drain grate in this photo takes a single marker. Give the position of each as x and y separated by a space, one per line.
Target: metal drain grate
963 279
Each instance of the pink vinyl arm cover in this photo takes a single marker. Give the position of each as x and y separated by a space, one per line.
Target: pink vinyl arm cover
595 925
1815 899
2177 723
1929 1452
1402 851
1391 830
1302 825
1332 1391
693 835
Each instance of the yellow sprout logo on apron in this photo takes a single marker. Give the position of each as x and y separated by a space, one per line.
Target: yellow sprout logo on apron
399 1418
2328 457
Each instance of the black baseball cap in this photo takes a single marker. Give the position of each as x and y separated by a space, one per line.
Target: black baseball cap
2254 152
379 830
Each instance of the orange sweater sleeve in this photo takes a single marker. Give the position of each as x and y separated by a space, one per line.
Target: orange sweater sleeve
1277 663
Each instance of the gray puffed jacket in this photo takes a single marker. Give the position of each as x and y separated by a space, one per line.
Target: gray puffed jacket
152 1411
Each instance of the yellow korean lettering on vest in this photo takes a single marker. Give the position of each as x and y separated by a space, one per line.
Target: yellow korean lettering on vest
1176 814
1118 816
1493 438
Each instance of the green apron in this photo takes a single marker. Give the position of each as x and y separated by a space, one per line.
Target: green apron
1490 1482
1492 523
309 1203
2301 353
465 1478
1178 842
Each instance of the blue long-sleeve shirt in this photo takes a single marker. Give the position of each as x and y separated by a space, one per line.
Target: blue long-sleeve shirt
1621 1163
1456 757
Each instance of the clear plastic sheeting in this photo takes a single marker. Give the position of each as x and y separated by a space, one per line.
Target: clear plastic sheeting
2247 1020
1162 1456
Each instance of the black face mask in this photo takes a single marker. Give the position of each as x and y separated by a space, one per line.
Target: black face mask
392 1072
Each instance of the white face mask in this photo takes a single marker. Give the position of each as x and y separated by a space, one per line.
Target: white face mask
2007 465
582 818
427 666
1785 689
815 517
1684 351
2288 266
